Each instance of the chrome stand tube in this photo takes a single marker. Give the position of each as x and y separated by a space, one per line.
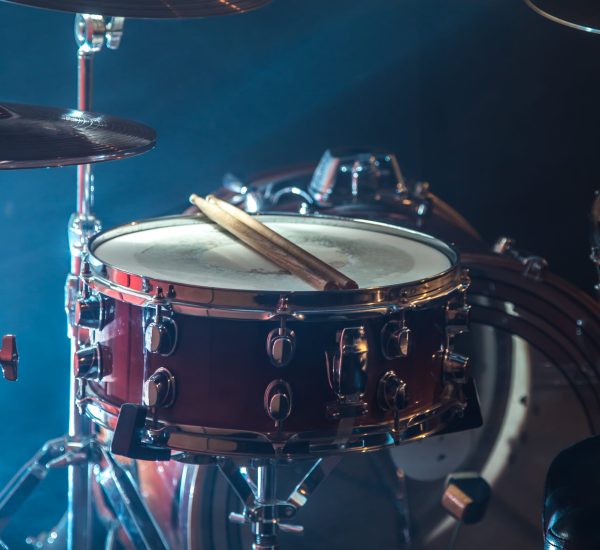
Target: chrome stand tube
262 510
90 34
133 516
265 530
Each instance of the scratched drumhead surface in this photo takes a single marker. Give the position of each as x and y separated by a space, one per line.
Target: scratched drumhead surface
201 254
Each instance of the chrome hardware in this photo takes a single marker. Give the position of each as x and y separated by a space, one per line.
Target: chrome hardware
533 266
458 313
421 200
93 311
278 401
234 184
159 389
347 373
89 363
294 192
90 32
114 32
9 357
160 334
118 284
391 392
129 438
253 202
396 340
281 345
344 176
455 367
122 493
261 507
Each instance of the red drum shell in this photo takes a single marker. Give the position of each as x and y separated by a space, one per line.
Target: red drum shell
222 369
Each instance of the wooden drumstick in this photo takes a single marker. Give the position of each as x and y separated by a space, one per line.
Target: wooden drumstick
303 256
277 255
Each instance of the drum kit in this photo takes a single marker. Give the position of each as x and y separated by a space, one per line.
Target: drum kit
207 382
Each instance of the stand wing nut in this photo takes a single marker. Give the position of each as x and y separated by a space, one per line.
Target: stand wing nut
9 358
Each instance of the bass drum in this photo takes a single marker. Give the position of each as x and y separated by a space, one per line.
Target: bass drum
534 346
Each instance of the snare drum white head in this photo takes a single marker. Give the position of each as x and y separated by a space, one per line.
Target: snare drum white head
200 254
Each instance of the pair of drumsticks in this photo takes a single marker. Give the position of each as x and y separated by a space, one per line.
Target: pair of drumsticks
272 245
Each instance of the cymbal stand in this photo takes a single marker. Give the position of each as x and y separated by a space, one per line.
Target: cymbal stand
91 32
262 510
77 450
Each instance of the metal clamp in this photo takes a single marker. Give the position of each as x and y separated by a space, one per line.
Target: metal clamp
533 266
455 367
92 31
262 510
344 176
129 436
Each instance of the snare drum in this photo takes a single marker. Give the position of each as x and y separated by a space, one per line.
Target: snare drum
225 354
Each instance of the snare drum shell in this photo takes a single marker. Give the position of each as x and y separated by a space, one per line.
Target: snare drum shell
222 369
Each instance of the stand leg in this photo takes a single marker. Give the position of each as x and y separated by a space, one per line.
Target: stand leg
55 453
395 480
320 470
129 507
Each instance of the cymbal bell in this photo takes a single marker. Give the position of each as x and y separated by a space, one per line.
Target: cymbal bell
578 14
32 136
149 9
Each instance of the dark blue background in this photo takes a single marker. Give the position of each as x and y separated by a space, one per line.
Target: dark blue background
495 106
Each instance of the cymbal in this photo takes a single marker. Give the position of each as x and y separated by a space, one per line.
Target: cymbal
35 137
578 14
149 9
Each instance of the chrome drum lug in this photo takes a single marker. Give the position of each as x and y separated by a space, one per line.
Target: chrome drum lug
159 389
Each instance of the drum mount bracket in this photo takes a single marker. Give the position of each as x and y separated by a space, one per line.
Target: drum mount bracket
128 439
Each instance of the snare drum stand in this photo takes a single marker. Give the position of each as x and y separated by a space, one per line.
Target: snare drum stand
262 510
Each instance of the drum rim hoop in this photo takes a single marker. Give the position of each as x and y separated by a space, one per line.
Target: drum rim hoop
251 304
203 441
